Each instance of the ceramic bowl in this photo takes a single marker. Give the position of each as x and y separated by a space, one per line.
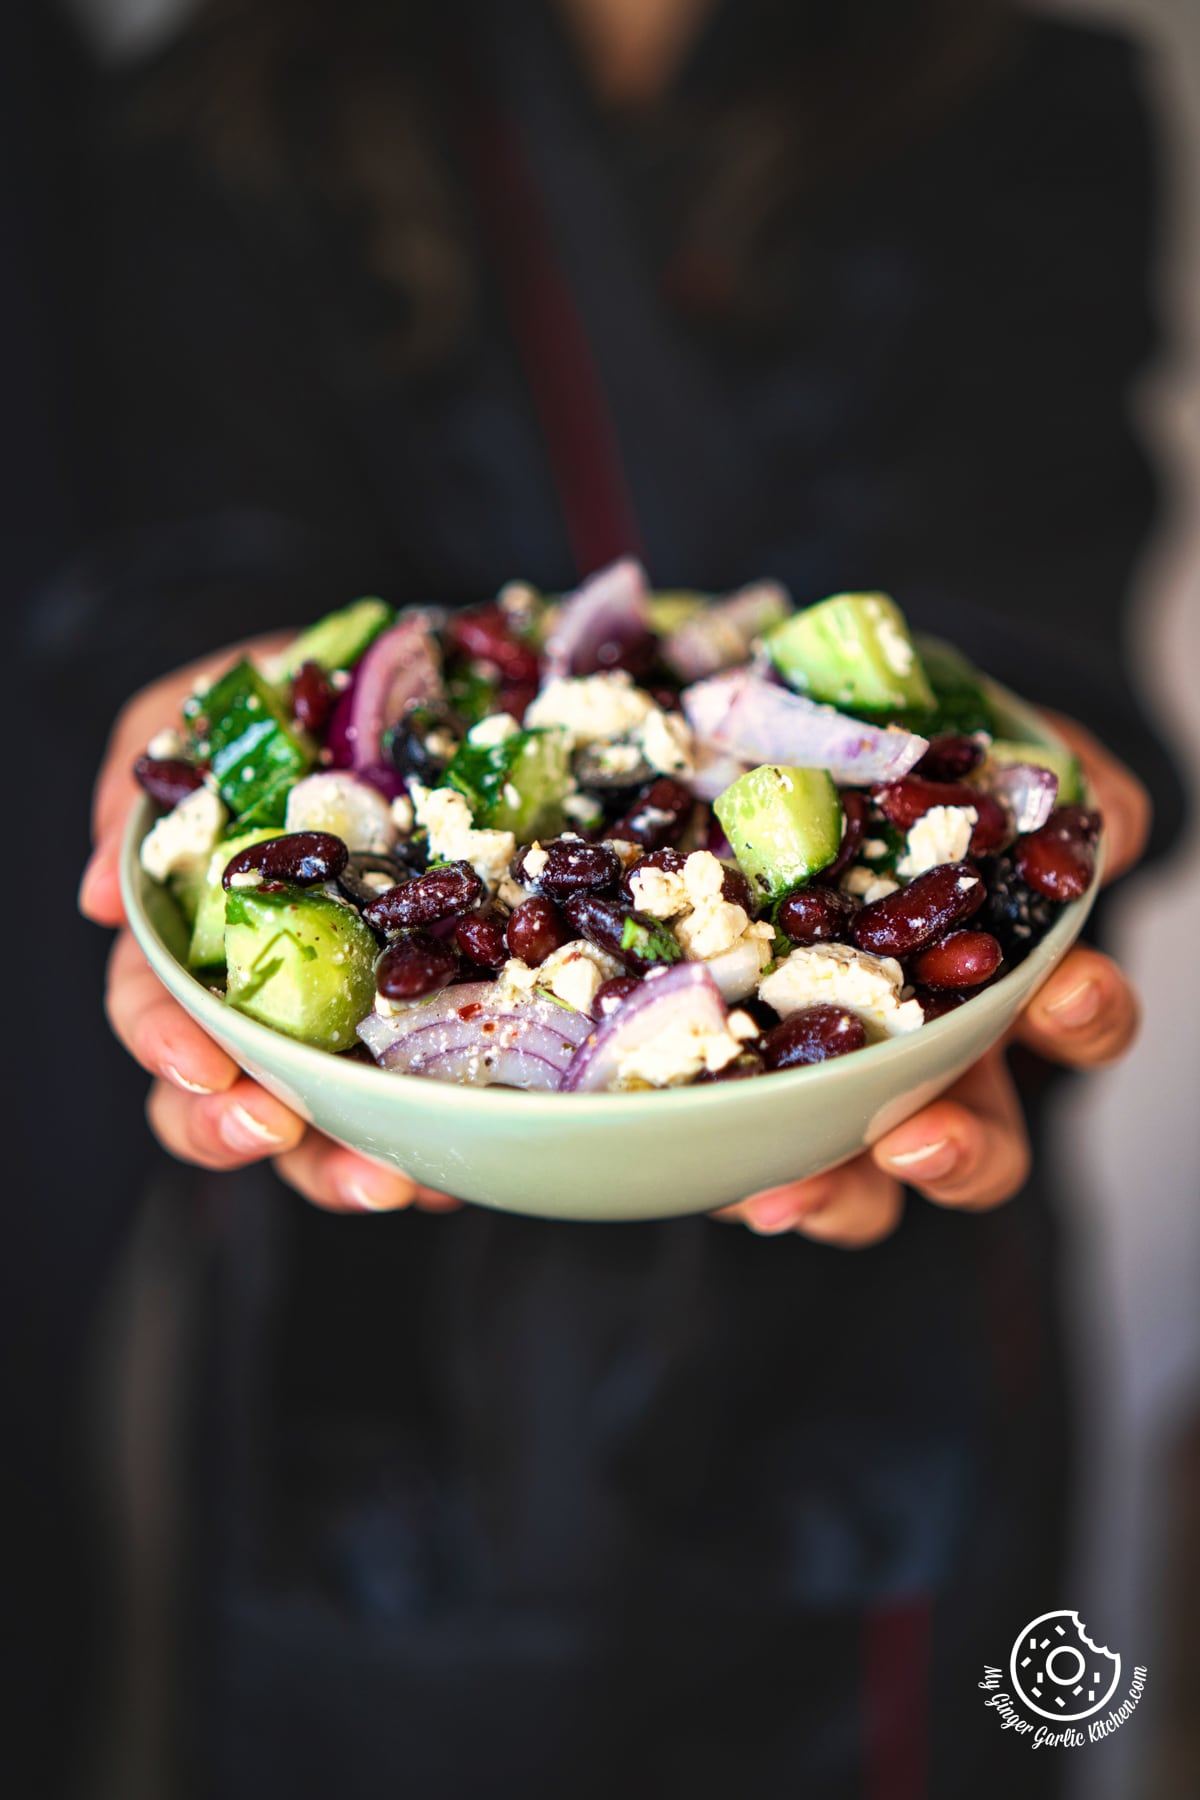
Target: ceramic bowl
606 1156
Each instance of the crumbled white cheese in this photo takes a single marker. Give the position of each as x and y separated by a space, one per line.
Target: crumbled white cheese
445 815
837 975
714 924
582 808
677 1052
402 814
246 878
591 708
628 851
942 835
575 972
737 971
867 884
165 745
334 800
516 981
182 841
618 759
666 742
534 861
660 892
874 848
510 892
742 1026
497 728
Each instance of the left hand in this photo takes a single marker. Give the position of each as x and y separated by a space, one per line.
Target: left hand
969 1149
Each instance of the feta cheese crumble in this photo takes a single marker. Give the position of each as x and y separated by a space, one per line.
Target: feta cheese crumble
575 972
681 1050
446 816
334 800
497 728
942 835
184 839
165 745
867 884
837 975
598 709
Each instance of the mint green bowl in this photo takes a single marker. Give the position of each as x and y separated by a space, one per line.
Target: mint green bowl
606 1156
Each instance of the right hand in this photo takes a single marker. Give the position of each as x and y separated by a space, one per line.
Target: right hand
202 1108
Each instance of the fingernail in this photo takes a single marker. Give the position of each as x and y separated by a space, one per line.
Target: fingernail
182 1081
778 1214
929 1161
242 1131
356 1194
1078 1006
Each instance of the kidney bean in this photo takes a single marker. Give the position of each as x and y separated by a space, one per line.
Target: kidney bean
441 893
737 891
313 698
633 937
515 696
909 799
369 873
816 915
301 857
937 1005
610 994
480 937
854 812
483 633
536 930
1059 860
167 779
415 965
949 758
961 959
668 860
658 814
904 922
813 1035
571 867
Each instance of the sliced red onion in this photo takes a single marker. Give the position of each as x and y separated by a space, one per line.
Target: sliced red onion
736 971
761 723
722 634
686 992
526 1045
384 779
597 624
400 666
713 771
1026 791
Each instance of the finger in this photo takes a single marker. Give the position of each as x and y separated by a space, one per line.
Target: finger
335 1178
1123 801
1085 1014
968 1149
155 1029
852 1206
222 1131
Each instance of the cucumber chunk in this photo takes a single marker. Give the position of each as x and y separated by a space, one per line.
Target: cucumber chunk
242 728
854 650
518 785
300 962
783 825
207 947
339 639
1003 752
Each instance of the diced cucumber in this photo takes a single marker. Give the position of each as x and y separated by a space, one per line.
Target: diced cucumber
671 610
518 785
187 887
1003 752
782 824
959 702
339 639
241 726
207 948
854 650
300 962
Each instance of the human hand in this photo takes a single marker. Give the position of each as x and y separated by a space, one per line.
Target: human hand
969 1149
201 1107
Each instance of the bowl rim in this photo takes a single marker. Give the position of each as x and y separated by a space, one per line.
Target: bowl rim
289 1054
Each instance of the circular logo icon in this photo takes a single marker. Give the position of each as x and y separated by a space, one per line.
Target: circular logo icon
1057 1670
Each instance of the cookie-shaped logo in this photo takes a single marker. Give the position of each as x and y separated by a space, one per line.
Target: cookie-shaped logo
1058 1671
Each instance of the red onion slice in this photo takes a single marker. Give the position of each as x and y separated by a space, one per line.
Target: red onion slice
1027 792
713 771
685 993
761 723
604 617
528 1044
722 634
400 666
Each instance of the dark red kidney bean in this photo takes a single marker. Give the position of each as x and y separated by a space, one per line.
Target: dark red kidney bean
658 814
515 696
813 1035
904 922
905 801
937 1005
442 893
313 697
369 873
610 994
415 965
610 923
1059 860
536 930
737 891
854 811
167 779
744 1066
949 758
483 633
816 915
571 867
962 959
481 939
301 857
